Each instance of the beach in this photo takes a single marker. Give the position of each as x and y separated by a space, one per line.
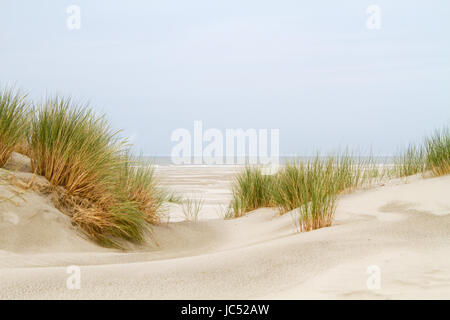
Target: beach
224 150
396 232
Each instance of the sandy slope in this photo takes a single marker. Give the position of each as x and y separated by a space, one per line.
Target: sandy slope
403 229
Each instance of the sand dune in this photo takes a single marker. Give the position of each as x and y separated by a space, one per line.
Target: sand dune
402 229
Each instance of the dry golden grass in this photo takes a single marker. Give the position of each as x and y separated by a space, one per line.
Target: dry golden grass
103 226
73 148
108 194
137 179
191 209
13 122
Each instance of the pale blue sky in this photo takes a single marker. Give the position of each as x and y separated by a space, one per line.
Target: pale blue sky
311 69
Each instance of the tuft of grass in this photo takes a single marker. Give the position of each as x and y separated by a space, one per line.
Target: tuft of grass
191 209
172 197
437 150
411 162
111 226
251 189
297 182
14 115
308 189
225 212
74 148
138 181
432 155
106 195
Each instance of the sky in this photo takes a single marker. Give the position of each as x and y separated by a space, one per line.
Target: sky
313 70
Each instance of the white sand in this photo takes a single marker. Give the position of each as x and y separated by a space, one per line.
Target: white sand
403 229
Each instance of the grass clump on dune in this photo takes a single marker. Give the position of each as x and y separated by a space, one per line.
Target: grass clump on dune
14 115
307 188
433 155
105 194
301 182
251 189
191 208
73 148
411 162
437 149
138 181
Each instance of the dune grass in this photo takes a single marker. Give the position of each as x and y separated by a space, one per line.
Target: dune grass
111 195
432 155
14 121
308 188
437 152
225 212
73 148
138 180
410 162
191 208
251 189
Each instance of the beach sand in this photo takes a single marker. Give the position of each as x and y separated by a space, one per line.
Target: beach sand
400 231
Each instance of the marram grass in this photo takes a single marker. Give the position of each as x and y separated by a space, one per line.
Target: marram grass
191 208
410 162
251 189
111 196
433 156
437 150
308 189
73 148
138 181
14 116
